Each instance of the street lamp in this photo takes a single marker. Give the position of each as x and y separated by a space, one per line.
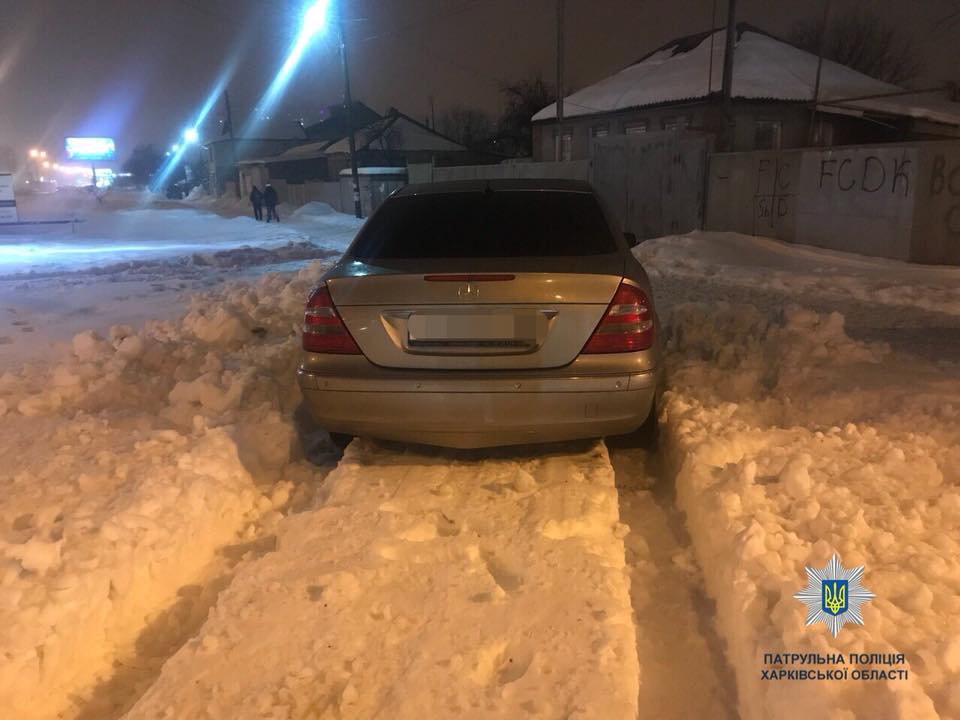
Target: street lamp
314 22
191 136
34 153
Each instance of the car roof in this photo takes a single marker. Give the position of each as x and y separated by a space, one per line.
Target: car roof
494 185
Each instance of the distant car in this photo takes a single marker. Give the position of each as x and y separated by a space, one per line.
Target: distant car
483 313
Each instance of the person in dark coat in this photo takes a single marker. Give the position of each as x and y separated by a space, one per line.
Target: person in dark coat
270 200
256 199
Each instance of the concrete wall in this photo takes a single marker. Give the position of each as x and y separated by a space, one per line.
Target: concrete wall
891 200
936 214
576 170
652 182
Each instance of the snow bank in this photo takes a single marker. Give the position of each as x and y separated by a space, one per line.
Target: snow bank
311 210
804 274
129 464
426 584
128 232
792 442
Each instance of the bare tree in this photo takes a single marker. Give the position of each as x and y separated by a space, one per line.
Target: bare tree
143 164
522 100
468 126
859 39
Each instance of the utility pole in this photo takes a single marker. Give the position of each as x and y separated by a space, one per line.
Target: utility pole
433 114
355 175
233 144
811 135
728 74
558 144
713 32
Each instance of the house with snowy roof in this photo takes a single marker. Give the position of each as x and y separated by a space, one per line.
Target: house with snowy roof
679 87
320 169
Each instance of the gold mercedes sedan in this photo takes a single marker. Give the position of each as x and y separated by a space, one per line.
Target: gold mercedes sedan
482 313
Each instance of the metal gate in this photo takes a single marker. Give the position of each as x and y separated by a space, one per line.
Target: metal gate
654 183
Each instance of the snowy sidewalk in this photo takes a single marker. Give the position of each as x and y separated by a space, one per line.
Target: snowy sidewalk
426 585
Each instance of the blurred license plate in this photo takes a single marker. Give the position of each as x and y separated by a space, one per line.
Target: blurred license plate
487 326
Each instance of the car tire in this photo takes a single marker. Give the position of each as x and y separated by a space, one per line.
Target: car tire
647 436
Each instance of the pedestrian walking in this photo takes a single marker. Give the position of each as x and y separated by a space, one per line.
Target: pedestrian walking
256 199
270 200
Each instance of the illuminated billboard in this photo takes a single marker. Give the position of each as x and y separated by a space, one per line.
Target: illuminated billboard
90 148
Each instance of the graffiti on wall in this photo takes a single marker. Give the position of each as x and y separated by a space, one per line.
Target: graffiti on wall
866 174
945 180
773 197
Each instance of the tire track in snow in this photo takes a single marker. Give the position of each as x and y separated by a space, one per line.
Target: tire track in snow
684 671
426 583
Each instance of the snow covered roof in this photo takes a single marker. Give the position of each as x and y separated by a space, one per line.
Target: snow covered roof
764 68
397 132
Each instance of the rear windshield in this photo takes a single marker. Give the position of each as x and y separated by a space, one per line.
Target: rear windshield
501 223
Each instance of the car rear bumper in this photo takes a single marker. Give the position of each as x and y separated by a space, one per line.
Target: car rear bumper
471 411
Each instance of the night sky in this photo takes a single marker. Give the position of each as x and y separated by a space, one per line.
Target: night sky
140 70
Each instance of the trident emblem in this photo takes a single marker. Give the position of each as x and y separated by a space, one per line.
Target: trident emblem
834 596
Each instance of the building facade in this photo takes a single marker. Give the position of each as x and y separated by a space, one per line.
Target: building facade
678 88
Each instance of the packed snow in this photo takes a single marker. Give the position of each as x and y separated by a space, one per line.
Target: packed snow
426 584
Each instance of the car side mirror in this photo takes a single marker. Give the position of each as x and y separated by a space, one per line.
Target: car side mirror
631 239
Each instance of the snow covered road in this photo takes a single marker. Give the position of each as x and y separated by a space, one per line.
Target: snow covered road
134 258
150 469
167 550
426 584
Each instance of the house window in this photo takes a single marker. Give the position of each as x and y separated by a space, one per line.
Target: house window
635 128
599 131
566 144
766 134
676 123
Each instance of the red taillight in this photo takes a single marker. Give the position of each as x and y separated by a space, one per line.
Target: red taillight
323 330
626 326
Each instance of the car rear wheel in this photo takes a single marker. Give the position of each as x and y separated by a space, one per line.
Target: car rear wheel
647 436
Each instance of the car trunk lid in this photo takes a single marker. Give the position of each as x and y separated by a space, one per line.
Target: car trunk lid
472 320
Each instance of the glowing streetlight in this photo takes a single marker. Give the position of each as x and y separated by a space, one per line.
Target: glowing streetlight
46 164
175 147
314 19
191 136
314 22
43 153
34 153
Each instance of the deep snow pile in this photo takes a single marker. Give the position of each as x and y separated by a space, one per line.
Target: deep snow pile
721 261
426 584
136 258
129 464
142 466
793 442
